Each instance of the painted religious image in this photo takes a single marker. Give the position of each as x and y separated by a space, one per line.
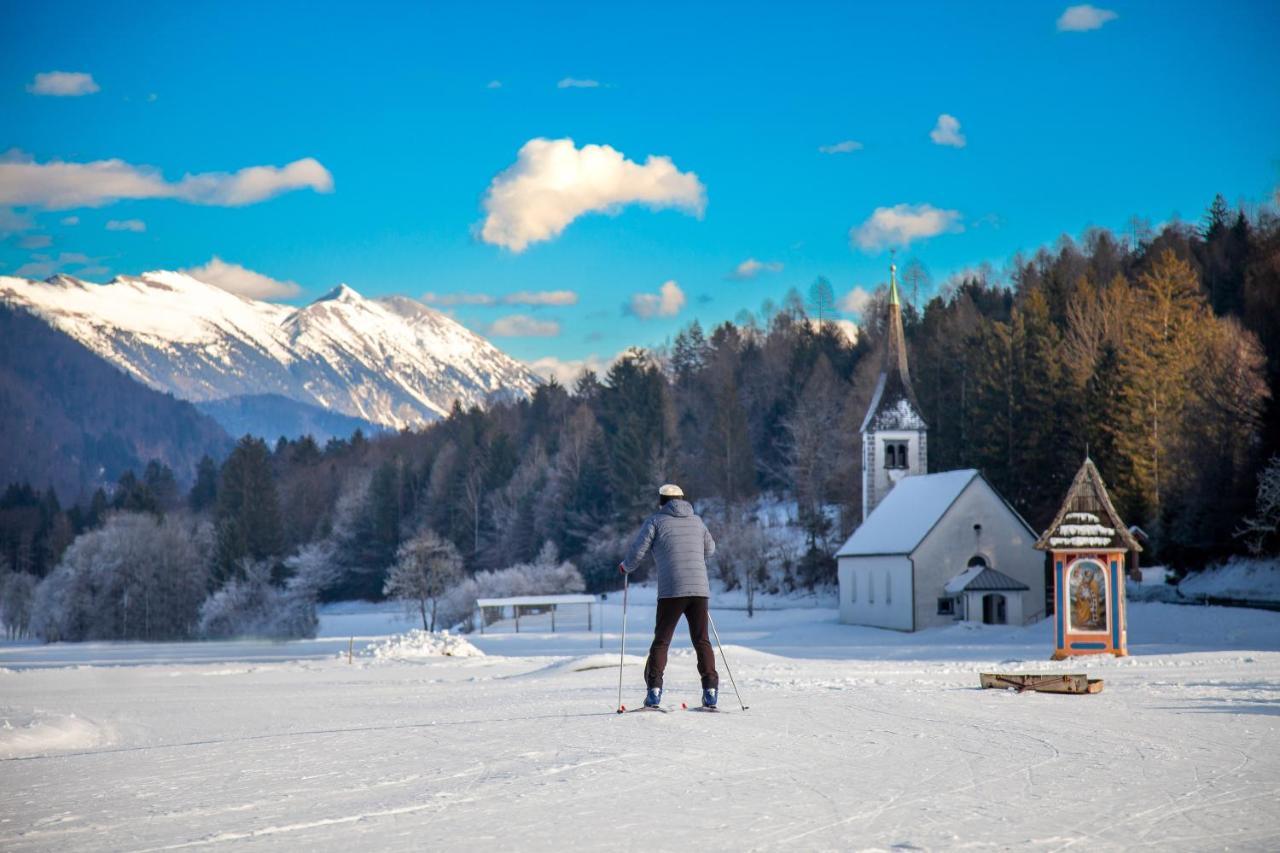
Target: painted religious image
1088 597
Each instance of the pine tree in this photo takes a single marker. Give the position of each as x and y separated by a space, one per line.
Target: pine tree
205 489
248 513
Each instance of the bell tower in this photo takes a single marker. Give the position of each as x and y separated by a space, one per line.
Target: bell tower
894 434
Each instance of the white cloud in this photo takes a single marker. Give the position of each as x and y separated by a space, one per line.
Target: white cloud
667 302
750 268
846 147
136 225
450 299
849 328
575 83
234 278
43 266
541 297
523 326
494 84
70 220
11 222
855 301
947 132
66 84
901 224
567 371
58 185
553 182
1079 19
35 241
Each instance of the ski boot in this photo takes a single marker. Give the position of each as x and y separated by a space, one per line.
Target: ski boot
709 698
653 698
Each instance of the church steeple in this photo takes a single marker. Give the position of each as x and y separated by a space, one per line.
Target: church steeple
894 434
894 384
895 353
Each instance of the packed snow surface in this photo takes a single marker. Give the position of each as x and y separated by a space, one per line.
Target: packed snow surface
856 738
422 644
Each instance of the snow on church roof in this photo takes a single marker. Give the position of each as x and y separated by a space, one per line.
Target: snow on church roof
902 520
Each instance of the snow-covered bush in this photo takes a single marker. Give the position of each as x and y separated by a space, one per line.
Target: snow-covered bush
135 578
17 589
252 606
546 575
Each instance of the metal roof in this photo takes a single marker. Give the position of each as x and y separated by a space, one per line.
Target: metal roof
989 580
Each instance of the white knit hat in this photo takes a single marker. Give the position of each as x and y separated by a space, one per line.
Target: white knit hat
670 490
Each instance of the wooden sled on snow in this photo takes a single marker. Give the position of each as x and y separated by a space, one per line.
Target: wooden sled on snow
1041 682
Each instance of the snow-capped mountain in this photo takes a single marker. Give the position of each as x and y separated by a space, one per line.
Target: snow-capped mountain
391 360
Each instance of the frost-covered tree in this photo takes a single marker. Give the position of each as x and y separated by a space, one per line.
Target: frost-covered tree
250 605
1260 529
743 554
426 568
16 592
137 577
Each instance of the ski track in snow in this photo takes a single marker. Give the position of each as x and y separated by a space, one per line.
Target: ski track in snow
883 742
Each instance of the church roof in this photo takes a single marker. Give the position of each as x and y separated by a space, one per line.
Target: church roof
1087 520
893 404
904 518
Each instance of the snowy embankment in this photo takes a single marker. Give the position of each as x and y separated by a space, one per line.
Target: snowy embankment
856 738
1240 579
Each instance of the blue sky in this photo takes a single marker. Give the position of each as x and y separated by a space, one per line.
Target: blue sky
1148 113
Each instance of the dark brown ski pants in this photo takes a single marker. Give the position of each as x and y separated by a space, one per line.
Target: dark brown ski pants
694 610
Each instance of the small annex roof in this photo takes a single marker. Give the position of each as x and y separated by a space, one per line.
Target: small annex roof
902 520
1087 520
984 579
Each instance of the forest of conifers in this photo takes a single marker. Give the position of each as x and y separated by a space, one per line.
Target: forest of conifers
1158 352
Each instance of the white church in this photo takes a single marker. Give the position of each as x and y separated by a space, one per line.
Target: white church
932 549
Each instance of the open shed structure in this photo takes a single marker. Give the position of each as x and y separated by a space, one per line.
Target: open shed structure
522 604
1087 543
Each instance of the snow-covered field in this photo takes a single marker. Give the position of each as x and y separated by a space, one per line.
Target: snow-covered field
855 739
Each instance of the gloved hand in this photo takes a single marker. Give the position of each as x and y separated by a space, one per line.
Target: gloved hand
622 568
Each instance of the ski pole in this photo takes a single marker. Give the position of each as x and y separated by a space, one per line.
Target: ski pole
723 657
622 655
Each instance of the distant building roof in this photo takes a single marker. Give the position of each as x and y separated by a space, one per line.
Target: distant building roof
983 578
1087 520
902 520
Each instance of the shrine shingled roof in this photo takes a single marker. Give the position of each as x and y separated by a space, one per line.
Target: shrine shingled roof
1087 520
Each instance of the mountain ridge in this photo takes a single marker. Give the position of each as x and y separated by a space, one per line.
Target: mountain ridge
391 360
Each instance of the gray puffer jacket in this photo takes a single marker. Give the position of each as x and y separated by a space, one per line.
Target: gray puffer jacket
681 545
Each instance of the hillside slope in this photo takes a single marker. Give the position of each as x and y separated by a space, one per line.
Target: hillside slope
70 420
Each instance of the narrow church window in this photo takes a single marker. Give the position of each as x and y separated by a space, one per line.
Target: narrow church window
871 588
853 585
888 588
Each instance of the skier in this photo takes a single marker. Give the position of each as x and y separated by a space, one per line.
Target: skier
681 545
